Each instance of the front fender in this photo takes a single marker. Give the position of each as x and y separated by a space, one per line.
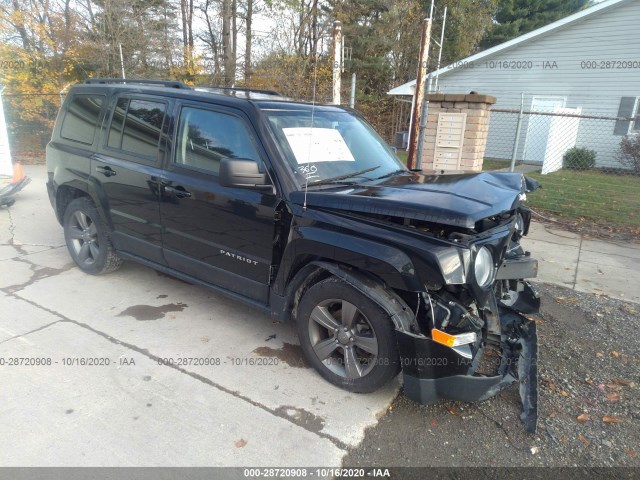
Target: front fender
391 265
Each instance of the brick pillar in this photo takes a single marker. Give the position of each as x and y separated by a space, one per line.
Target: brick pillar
445 147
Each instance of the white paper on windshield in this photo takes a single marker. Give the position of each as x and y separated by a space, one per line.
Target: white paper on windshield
314 145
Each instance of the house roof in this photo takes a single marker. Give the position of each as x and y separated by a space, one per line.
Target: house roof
409 87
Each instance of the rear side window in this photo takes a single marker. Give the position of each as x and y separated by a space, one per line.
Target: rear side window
136 126
80 121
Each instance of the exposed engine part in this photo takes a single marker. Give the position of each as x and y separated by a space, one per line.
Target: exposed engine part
446 313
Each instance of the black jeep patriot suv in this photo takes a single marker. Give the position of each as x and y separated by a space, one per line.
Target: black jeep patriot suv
303 211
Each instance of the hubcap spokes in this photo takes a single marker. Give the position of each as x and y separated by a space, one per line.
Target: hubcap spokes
84 238
343 339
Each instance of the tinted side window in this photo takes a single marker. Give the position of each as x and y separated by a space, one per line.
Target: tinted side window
80 121
206 137
117 121
136 126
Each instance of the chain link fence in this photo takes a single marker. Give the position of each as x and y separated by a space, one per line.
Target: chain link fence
588 163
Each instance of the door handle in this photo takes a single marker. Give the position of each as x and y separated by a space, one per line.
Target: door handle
106 171
179 192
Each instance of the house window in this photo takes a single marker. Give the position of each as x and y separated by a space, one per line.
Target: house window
627 109
635 126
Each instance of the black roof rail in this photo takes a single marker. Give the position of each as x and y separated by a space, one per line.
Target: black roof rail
248 90
139 81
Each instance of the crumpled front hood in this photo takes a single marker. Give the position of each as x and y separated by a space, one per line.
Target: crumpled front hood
456 200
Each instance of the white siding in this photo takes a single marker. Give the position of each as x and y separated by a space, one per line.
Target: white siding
611 35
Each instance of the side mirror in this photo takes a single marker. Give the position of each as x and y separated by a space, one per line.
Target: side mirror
238 172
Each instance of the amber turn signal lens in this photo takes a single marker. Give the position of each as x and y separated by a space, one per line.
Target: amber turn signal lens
443 338
452 340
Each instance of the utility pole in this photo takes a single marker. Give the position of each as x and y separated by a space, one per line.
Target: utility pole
416 114
352 99
441 45
337 60
121 60
425 103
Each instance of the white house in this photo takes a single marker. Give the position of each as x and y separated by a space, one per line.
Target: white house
585 66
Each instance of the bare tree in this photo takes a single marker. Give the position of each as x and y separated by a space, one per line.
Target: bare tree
211 36
227 49
186 8
248 38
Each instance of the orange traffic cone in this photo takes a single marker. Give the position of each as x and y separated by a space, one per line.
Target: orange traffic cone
18 173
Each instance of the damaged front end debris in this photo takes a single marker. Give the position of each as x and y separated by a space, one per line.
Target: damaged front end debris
440 367
473 337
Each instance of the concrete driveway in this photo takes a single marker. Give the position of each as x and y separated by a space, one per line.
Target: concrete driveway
241 397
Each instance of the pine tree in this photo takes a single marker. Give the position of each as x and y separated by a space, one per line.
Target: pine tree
517 17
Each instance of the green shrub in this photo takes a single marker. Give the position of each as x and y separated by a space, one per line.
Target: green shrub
579 158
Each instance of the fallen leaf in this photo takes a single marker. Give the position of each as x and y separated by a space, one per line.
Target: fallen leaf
584 440
615 354
434 422
452 411
620 381
564 439
564 393
599 354
240 443
630 452
613 397
552 415
611 419
583 417
613 386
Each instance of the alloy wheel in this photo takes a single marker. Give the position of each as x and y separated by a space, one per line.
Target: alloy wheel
84 238
343 339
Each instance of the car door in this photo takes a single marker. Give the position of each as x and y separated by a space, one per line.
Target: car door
221 235
126 171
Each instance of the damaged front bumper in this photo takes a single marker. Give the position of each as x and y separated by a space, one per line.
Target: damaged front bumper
432 370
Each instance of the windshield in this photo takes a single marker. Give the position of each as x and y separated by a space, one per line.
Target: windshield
340 147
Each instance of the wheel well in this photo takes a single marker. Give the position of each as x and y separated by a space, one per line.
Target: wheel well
64 196
369 285
305 282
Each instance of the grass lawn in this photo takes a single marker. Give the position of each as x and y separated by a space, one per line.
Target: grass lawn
402 155
589 195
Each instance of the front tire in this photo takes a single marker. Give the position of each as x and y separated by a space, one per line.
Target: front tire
87 238
347 337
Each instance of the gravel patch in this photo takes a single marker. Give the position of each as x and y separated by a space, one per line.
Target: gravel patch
589 413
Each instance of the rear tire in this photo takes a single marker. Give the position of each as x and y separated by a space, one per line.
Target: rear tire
87 238
347 337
